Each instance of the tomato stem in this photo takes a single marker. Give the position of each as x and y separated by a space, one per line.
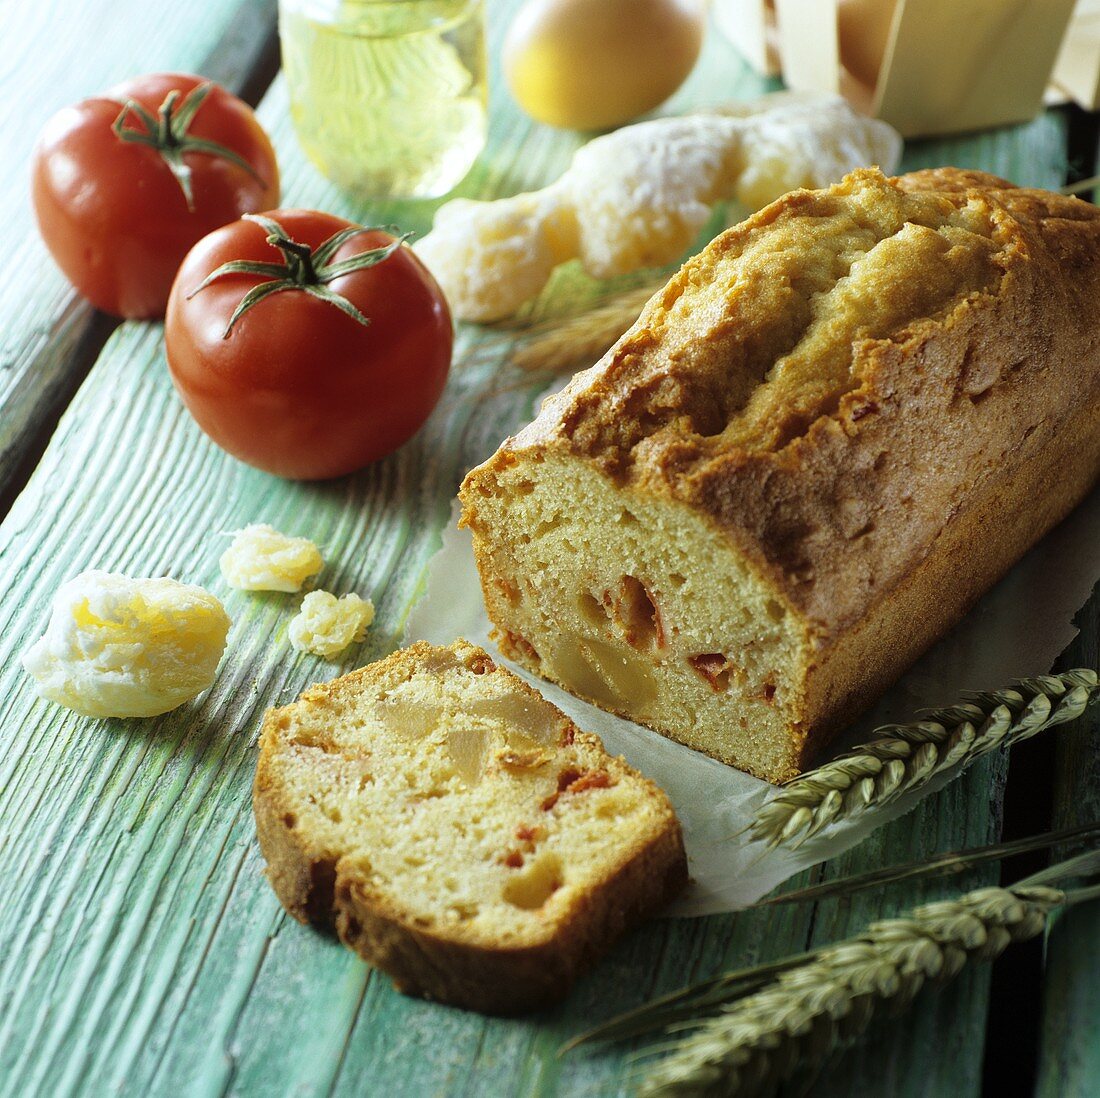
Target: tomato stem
303 268
299 259
167 133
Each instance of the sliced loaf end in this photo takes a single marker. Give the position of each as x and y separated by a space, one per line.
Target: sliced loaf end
641 606
458 831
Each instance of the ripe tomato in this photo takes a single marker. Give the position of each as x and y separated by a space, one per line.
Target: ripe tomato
273 366
114 209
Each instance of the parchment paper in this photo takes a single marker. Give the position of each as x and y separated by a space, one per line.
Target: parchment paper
1018 629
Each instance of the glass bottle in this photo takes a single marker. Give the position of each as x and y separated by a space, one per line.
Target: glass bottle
388 97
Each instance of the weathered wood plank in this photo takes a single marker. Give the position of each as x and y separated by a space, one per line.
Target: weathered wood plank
49 336
140 949
1069 1052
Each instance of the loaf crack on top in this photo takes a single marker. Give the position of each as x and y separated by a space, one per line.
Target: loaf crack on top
764 334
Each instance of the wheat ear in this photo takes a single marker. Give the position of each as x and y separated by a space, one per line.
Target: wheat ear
903 757
562 346
755 1043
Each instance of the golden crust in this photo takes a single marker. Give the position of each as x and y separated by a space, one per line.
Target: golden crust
512 980
331 882
862 388
973 386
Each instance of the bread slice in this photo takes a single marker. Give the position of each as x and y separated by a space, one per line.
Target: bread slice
458 831
822 440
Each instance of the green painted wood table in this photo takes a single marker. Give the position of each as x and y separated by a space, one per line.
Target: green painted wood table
141 950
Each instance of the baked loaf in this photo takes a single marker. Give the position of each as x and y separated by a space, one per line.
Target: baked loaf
458 831
827 435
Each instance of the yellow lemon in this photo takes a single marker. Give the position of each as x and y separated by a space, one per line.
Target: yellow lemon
594 64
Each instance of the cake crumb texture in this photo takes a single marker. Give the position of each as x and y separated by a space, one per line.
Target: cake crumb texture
457 830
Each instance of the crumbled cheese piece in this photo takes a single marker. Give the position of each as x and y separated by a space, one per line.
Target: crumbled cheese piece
326 625
637 197
262 559
121 647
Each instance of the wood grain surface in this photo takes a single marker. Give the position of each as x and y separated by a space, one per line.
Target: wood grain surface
58 52
1069 1063
141 950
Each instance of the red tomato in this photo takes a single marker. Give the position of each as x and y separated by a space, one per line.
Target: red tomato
298 387
112 213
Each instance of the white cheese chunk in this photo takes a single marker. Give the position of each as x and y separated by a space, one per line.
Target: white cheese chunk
121 647
326 625
262 559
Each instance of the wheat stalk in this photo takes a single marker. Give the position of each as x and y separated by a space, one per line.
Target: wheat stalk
1081 186
755 1043
903 757
940 865
562 346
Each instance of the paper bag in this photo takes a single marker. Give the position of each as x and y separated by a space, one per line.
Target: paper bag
750 26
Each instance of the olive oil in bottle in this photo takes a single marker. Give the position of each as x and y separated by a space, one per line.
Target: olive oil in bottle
388 97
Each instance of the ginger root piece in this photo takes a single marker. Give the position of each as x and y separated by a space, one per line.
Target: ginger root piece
639 196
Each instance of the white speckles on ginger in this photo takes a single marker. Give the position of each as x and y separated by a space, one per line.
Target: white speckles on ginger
639 196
